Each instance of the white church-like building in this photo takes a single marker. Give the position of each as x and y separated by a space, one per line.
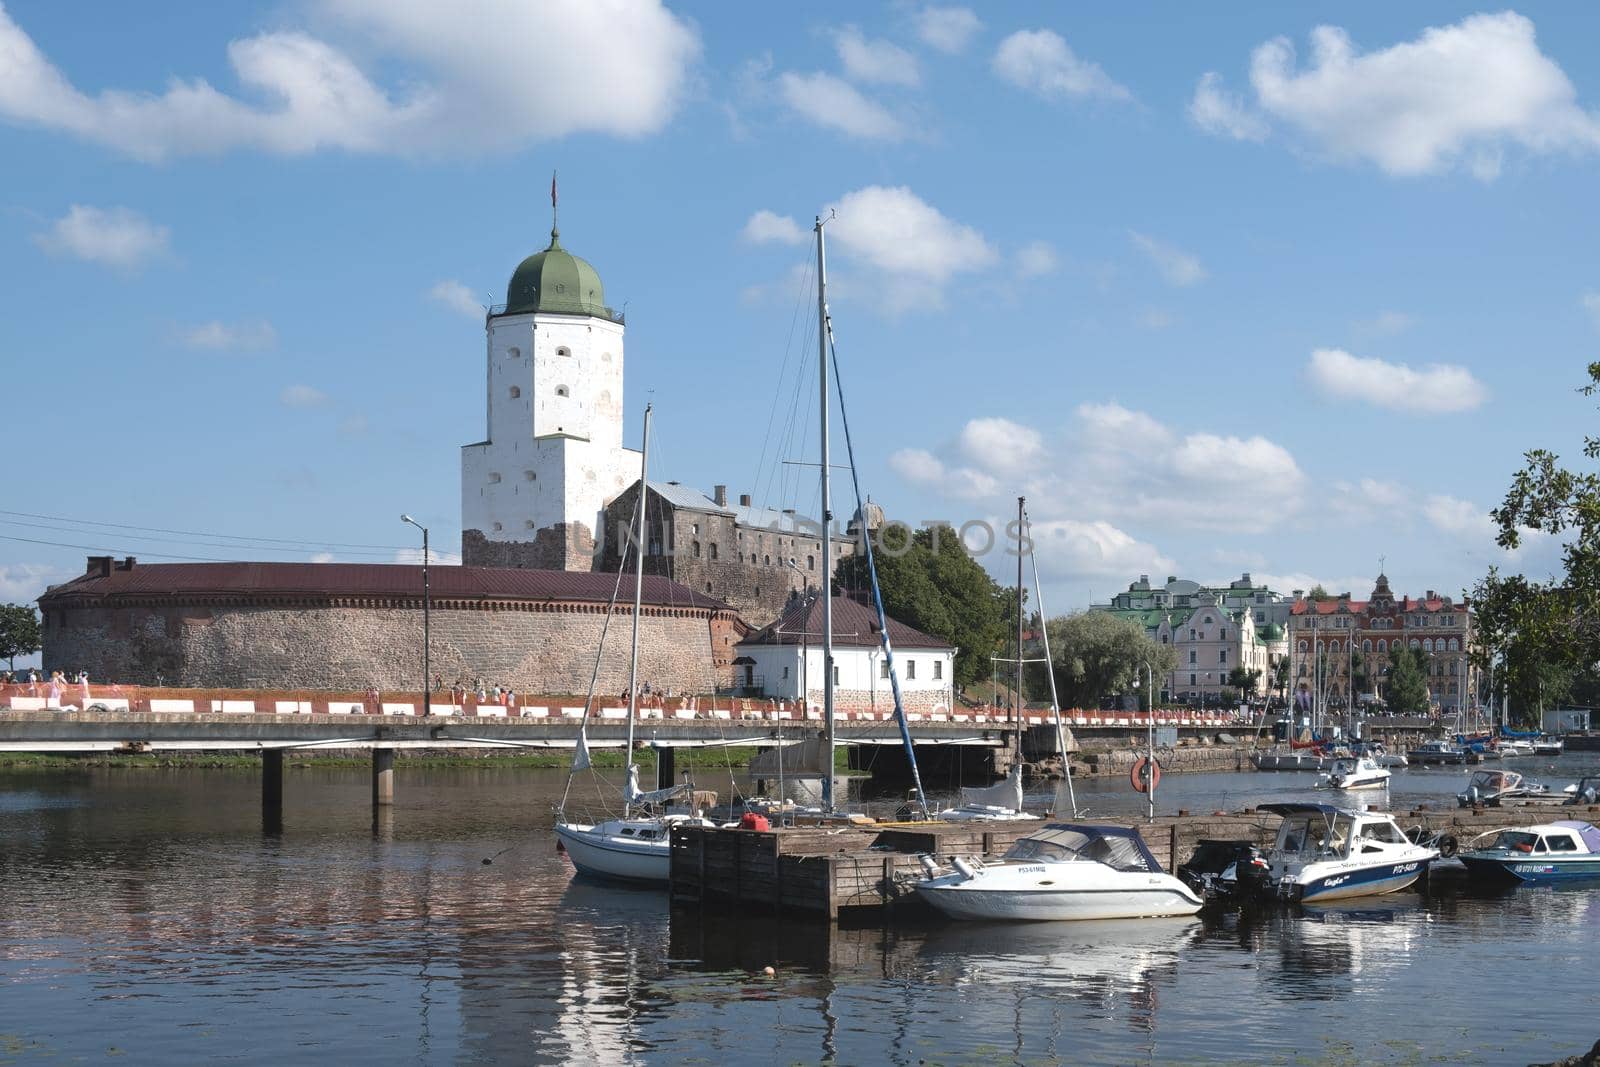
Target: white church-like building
534 490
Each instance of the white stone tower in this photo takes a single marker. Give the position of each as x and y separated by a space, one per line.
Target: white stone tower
533 492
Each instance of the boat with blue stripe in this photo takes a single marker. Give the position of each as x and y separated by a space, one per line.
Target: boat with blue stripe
1548 852
1324 853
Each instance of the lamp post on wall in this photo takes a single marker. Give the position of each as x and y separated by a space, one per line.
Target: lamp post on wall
427 611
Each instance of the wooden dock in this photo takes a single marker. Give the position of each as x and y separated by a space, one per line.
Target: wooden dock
824 871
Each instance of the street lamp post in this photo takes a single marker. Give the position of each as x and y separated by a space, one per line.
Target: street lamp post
427 612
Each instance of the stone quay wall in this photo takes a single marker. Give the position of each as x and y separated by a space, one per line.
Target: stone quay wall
529 648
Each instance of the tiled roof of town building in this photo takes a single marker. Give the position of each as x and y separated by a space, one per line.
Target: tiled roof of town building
855 625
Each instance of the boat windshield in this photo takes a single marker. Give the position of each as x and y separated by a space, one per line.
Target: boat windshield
1488 780
1519 841
1067 846
1314 834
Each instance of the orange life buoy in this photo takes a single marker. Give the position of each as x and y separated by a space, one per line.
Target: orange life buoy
1141 767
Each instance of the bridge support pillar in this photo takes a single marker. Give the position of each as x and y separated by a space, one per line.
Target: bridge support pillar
272 790
666 767
382 777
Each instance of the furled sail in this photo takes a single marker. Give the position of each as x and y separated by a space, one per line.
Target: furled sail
655 796
1003 794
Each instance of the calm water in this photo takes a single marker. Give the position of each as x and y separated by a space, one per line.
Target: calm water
145 917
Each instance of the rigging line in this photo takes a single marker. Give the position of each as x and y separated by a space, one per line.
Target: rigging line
778 472
119 551
877 593
198 533
777 393
185 541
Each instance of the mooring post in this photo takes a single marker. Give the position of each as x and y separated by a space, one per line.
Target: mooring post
382 777
272 790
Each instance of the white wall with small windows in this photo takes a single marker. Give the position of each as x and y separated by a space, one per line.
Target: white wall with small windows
780 671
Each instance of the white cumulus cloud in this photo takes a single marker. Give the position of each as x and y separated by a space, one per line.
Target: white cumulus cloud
835 104
229 336
23 583
878 61
111 237
911 248
1036 258
946 29
1458 96
303 396
1216 110
1590 302
769 227
471 76
1041 62
1437 388
457 297
1095 553
1176 266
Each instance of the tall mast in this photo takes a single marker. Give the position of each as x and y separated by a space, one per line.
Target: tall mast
638 591
1017 696
827 523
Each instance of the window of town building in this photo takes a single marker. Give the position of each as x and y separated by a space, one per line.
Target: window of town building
529 476
1222 633
836 675
1302 645
1191 655
768 560
694 527
494 476
786 672
1224 657
911 670
1191 634
1415 643
1191 679
713 550
1455 645
811 563
516 392
529 524
513 353
883 669
1427 645
696 549
1383 646
1366 646
938 669
498 527
1206 620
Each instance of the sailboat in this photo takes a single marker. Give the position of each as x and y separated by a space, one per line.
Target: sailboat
638 846
1003 800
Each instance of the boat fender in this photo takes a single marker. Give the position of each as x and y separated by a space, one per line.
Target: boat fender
753 820
963 867
1145 775
929 865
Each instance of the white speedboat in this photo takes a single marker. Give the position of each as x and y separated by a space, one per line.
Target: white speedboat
1548 746
1001 802
1492 788
1326 853
1511 747
1062 871
1355 773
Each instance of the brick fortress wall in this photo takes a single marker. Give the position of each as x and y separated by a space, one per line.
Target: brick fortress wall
533 648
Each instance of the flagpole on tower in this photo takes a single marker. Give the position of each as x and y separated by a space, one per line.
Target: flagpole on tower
555 228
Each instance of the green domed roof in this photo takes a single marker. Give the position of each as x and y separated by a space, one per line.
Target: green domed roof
556 281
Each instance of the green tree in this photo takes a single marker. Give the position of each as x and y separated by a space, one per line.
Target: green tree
1095 654
1527 629
1246 680
19 632
1319 593
932 582
1408 682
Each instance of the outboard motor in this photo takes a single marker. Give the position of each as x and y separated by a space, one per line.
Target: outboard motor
1471 798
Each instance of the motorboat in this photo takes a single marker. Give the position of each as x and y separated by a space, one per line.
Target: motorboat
1548 852
1548 746
1323 852
1382 756
1285 758
1001 802
1061 871
1355 773
1490 788
1585 792
1437 753
1231 871
1512 747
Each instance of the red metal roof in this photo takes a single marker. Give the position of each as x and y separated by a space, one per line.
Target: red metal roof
317 580
854 626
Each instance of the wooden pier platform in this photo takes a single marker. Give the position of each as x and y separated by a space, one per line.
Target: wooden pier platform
826 870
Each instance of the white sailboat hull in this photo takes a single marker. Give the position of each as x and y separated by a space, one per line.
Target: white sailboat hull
1013 892
602 852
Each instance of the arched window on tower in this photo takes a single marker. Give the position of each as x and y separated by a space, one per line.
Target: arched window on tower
563 351
696 549
713 550
513 352
516 391
561 390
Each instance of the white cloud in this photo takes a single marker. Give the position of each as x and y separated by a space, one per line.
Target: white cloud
1216 110
1041 62
435 557
1371 500
322 557
1591 303
835 104
1437 388
1461 517
1114 464
23 583
225 336
769 226
1176 265
946 29
1036 258
911 249
303 396
112 237
457 297
355 425
877 61
617 67
1456 96
1098 553
1386 324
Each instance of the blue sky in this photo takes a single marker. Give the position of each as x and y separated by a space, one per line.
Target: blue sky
1271 289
